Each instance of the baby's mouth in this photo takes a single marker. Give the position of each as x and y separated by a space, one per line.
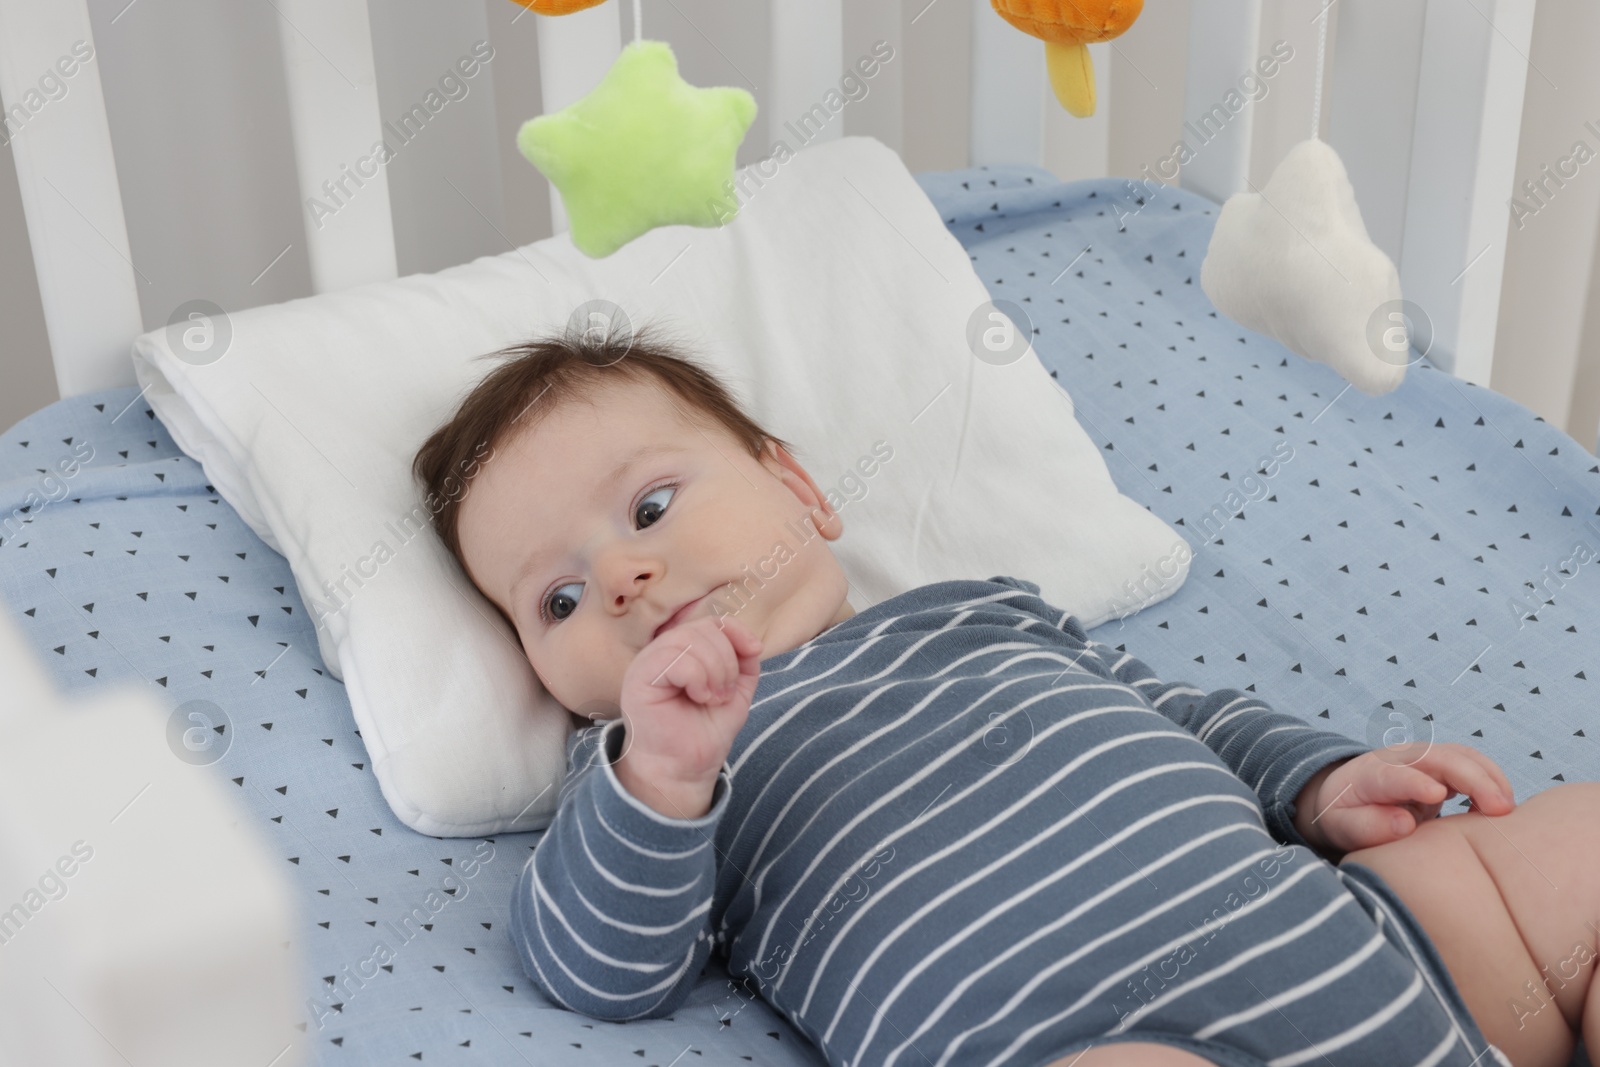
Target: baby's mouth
679 616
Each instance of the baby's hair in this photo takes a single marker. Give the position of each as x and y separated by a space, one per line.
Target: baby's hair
539 375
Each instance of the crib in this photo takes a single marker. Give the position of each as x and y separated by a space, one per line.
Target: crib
1376 586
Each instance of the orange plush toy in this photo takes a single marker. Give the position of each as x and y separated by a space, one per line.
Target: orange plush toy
1066 27
556 7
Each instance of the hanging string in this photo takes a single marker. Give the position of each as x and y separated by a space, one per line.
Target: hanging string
1322 55
637 31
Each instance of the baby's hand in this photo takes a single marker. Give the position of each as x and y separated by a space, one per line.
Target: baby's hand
684 699
1383 795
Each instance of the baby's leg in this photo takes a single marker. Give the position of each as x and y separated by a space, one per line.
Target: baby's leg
1132 1054
1511 902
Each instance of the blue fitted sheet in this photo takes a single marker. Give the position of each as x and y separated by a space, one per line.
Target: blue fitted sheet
1379 571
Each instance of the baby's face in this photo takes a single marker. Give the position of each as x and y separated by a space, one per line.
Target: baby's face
595 525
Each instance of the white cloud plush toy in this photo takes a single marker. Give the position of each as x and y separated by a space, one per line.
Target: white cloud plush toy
1294 262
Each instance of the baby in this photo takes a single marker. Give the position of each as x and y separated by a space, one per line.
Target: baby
951 828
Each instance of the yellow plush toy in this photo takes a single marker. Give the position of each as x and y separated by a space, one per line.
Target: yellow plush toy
1067 27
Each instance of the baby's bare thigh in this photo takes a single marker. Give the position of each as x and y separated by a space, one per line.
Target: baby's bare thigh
1132 1054
1502 897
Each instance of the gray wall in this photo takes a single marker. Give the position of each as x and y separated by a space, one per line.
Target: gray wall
27 381
198 110
199 119
1547 342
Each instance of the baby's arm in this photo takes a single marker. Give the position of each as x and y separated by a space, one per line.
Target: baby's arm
1273 753
1318 788
611 915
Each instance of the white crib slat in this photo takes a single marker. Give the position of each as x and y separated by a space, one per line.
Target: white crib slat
1371 107
1009 84
1076 147
333 113
62 150
1463 162
575 52
807 49
1224 43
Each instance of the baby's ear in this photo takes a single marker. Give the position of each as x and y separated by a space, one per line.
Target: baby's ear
805 489
771 456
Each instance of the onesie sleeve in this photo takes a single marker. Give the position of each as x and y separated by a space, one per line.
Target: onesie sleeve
611 914
1273 752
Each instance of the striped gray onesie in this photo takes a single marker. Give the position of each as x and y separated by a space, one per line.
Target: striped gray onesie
956 831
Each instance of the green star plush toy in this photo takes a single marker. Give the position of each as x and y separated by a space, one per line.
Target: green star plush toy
644 149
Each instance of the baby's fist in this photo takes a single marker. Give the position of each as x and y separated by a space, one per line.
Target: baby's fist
685 697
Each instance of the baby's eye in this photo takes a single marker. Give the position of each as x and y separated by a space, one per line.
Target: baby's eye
653 510
558 605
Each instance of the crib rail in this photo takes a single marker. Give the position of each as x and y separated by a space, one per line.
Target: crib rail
1433 175
68 180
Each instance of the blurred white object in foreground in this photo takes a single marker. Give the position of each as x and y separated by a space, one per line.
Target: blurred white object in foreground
141 920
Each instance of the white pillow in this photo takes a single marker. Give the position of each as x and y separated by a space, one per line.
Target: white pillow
836 305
